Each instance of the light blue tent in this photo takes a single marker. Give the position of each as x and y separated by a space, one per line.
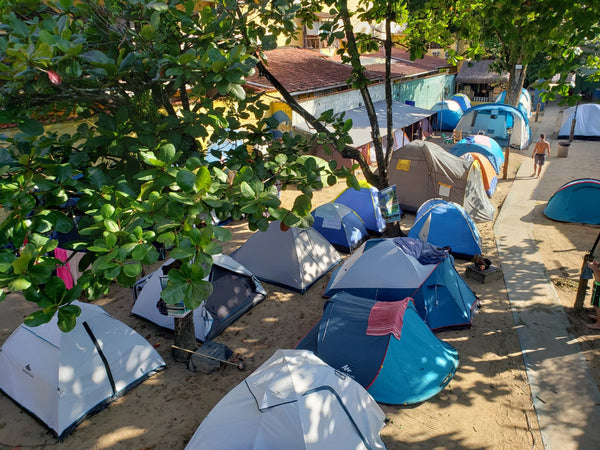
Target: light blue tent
507 125
449 113
365 202
480 144
576 201
462 100
340 225
384 346
446 224
393 269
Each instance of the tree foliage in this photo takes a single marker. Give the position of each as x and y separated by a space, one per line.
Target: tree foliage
150 84
513 33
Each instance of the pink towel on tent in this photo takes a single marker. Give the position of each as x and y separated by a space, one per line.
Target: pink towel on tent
63 271
387 317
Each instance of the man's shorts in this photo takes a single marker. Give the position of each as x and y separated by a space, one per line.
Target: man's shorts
596 294
540 158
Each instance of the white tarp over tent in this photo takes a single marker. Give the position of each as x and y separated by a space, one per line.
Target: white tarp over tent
403 116
293 401
61 378
587 122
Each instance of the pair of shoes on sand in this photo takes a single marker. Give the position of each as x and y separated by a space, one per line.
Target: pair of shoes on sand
595 325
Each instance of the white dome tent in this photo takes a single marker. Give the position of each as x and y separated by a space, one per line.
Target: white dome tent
62 378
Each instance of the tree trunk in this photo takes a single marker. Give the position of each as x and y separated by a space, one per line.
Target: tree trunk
515 84
184 330
184 337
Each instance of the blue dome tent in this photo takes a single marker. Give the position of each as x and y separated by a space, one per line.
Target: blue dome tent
449 113
384 346
365 202
340 225
393 269
483 145
446 224
507 125
576 201
462 100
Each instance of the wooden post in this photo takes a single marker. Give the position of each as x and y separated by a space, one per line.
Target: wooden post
537 111
506 157
583 284
580 296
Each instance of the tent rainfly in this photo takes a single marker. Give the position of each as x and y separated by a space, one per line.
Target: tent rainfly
62 378
235 291
293 401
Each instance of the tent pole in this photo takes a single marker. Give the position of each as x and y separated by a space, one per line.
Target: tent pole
583 282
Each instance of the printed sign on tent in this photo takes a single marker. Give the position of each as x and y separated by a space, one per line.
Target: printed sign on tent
388 204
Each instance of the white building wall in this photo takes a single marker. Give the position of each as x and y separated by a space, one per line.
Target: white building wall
340 102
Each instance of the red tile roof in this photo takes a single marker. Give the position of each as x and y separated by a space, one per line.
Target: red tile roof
303 70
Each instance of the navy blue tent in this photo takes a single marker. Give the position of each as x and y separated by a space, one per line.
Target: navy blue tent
446 224
340 225
365 202
385 346
395 268
576 201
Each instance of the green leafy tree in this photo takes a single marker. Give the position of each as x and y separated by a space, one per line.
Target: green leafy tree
150 85
514 33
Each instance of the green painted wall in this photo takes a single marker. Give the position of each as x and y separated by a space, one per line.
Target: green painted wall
425 92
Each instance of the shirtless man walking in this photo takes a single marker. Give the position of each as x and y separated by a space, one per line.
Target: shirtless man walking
539 154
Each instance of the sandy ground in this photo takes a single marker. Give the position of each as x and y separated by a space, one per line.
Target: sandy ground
486 405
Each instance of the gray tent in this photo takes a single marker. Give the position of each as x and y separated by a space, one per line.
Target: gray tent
424 170
294 259
235 291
